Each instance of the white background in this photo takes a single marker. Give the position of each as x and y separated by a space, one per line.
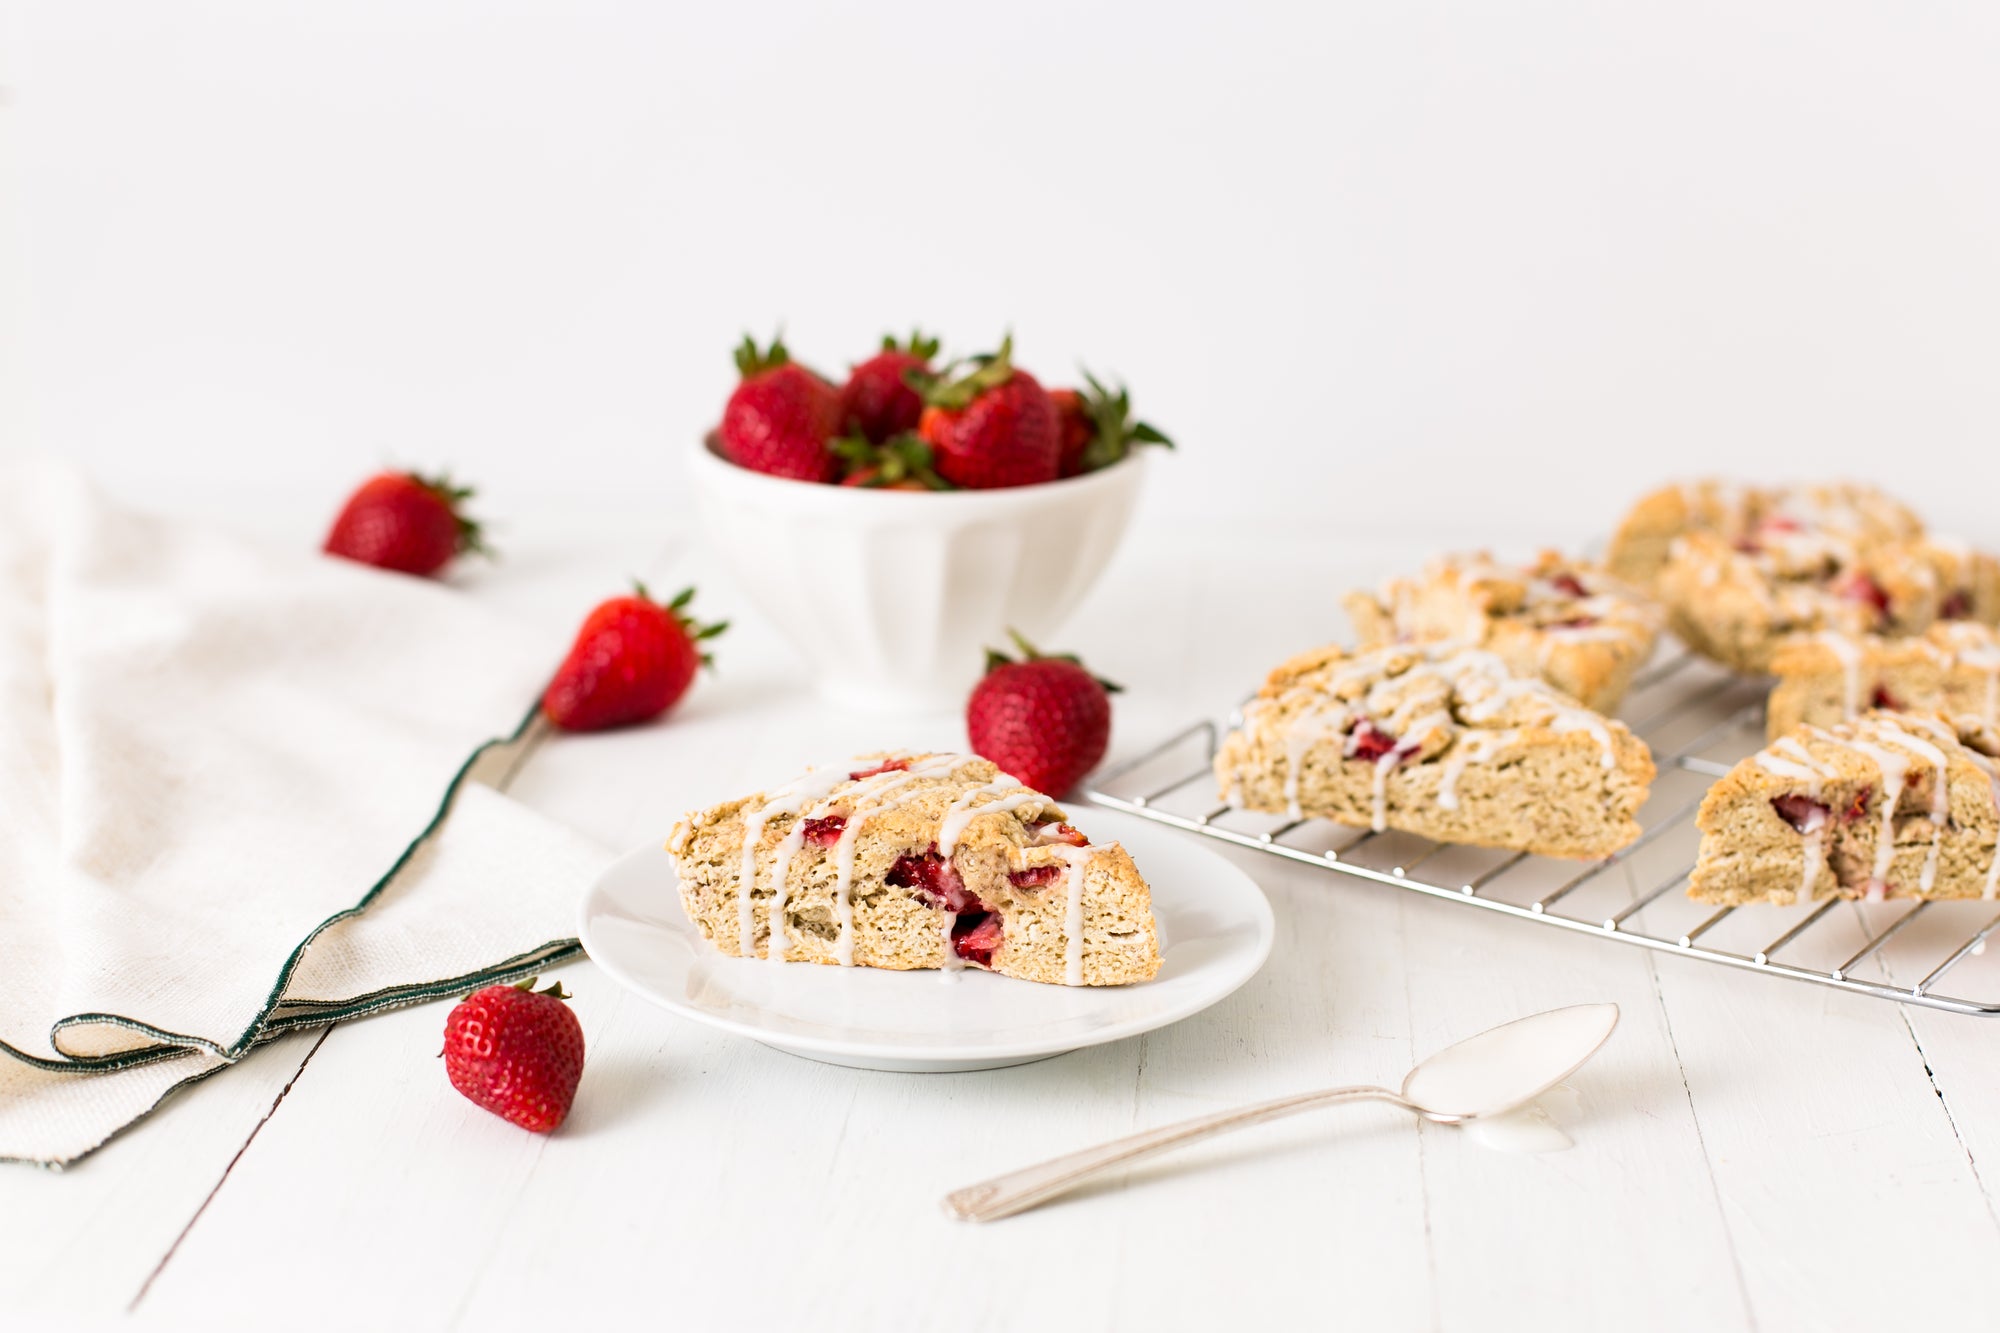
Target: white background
1404 276
1477 270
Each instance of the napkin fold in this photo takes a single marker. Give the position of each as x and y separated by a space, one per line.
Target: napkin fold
241 791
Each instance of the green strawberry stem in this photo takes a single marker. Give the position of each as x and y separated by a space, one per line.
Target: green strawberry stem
753 360
917 345
1029 653
471 539
990 371
693 628
1115 430
901 457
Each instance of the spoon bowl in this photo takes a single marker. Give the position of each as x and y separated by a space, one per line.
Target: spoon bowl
1507 1067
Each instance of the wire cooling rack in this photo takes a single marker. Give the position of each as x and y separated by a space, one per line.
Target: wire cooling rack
1699 722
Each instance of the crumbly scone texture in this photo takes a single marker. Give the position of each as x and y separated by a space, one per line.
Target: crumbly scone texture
1953 668
1890 805
1439 740
1639 548
1739 602
1567 622
915 896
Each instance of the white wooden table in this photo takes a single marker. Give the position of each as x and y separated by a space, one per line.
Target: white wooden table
1751 1153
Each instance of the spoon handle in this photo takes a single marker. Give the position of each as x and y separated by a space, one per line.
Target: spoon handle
1020 1190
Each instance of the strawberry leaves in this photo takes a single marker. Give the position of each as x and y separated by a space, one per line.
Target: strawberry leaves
1029 653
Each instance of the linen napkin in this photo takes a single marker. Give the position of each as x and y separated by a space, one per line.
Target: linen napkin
241 791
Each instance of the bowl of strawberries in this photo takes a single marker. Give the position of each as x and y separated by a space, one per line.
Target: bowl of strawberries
894 524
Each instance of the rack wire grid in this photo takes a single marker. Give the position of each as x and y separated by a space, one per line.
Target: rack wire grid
1699 721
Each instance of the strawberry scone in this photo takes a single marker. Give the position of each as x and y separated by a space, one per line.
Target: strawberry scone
1953 668
907 861
1735 513
1438 740
1738 601
1890 805
1569 623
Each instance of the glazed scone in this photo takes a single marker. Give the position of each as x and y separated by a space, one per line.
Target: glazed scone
1569 623
1734 513
1953 668
1439 740
1737 602
915 861
1890 805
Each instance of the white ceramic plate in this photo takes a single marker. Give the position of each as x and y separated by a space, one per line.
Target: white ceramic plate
1215 932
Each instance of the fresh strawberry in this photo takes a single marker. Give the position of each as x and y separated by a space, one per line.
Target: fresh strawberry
517 1052
1097 427
1045 720
404 522
780 417
631 661
899 463
993 427
878 400
1074 427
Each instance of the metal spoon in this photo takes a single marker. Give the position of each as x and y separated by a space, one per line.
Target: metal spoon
1497 1071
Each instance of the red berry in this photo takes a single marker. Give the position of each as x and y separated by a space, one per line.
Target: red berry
1860 586
995 427
404 522
977 936
1369 743
1075 428
632 660
1058 832
1046 720
1803 813
516 1052
886 766
1570 584
1033 877
877 401
1883 699
937 879
1958 606
824 832
781 417
1096 428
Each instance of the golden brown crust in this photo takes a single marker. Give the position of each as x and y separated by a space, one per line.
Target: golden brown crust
1441 741
1953 668
1566 622
1890 805
1739 602
1002 845
1640 548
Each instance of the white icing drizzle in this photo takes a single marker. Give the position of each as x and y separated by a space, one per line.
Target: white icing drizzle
789 799
1891 747
866 800
1788 759
1940 813
1849 654
1315 725
1478 681
1078 858
1473 747
806 797
779 940
1010 794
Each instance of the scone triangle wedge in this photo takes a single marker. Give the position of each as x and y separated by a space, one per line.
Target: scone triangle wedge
915 860
1439 740
1889 805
